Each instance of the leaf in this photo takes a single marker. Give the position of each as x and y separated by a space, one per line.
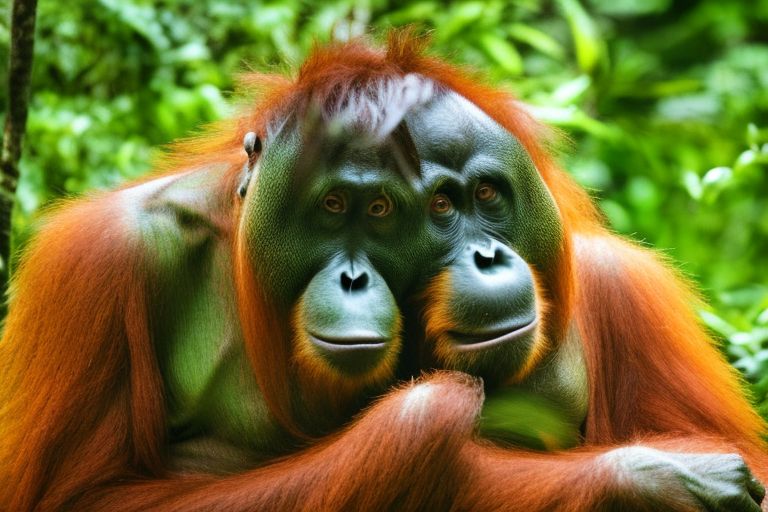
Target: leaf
586 37
527 419
714 182
417 11
718 176
537 39
753 136
752 339
572 90
503 53
461 17
192 51
571 116
692 184
746 158
717 324
142 19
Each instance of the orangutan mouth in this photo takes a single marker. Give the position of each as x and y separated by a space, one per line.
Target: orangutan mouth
488 339
352 343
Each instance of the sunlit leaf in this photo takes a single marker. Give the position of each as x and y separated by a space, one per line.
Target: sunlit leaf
192 51
746 158
572 90
753 135
586 37
537 39
572 117
717 324
503 53
692 184
689 107
462 16
630 7
718 176
753 338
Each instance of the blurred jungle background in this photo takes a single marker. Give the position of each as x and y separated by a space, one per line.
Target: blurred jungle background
664 106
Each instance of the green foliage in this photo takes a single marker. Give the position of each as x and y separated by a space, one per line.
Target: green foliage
522 418
666 104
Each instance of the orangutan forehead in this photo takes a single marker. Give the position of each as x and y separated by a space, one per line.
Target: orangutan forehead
380 106
371 109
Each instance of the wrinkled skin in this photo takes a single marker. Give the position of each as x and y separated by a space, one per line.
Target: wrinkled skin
683 481
342 277
493 222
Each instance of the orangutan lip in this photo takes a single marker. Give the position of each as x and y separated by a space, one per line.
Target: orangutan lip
476 341
340 344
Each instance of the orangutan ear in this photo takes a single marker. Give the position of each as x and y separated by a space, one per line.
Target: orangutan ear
252 146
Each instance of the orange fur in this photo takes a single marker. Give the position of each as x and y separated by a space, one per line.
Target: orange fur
437 318
438 321
333 389
635 310
542 345
266 338
81 393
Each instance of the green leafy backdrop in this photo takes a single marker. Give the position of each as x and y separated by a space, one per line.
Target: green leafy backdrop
664 106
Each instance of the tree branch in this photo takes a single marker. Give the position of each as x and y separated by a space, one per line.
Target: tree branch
19 72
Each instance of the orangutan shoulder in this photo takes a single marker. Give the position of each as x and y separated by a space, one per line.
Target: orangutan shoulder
179 213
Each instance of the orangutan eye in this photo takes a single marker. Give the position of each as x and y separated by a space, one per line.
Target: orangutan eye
334 203
485 192
380 207
441 204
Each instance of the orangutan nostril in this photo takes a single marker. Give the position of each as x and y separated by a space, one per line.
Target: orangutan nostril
354 284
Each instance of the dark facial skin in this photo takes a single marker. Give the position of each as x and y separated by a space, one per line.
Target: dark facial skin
337 229
353 236
491 221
